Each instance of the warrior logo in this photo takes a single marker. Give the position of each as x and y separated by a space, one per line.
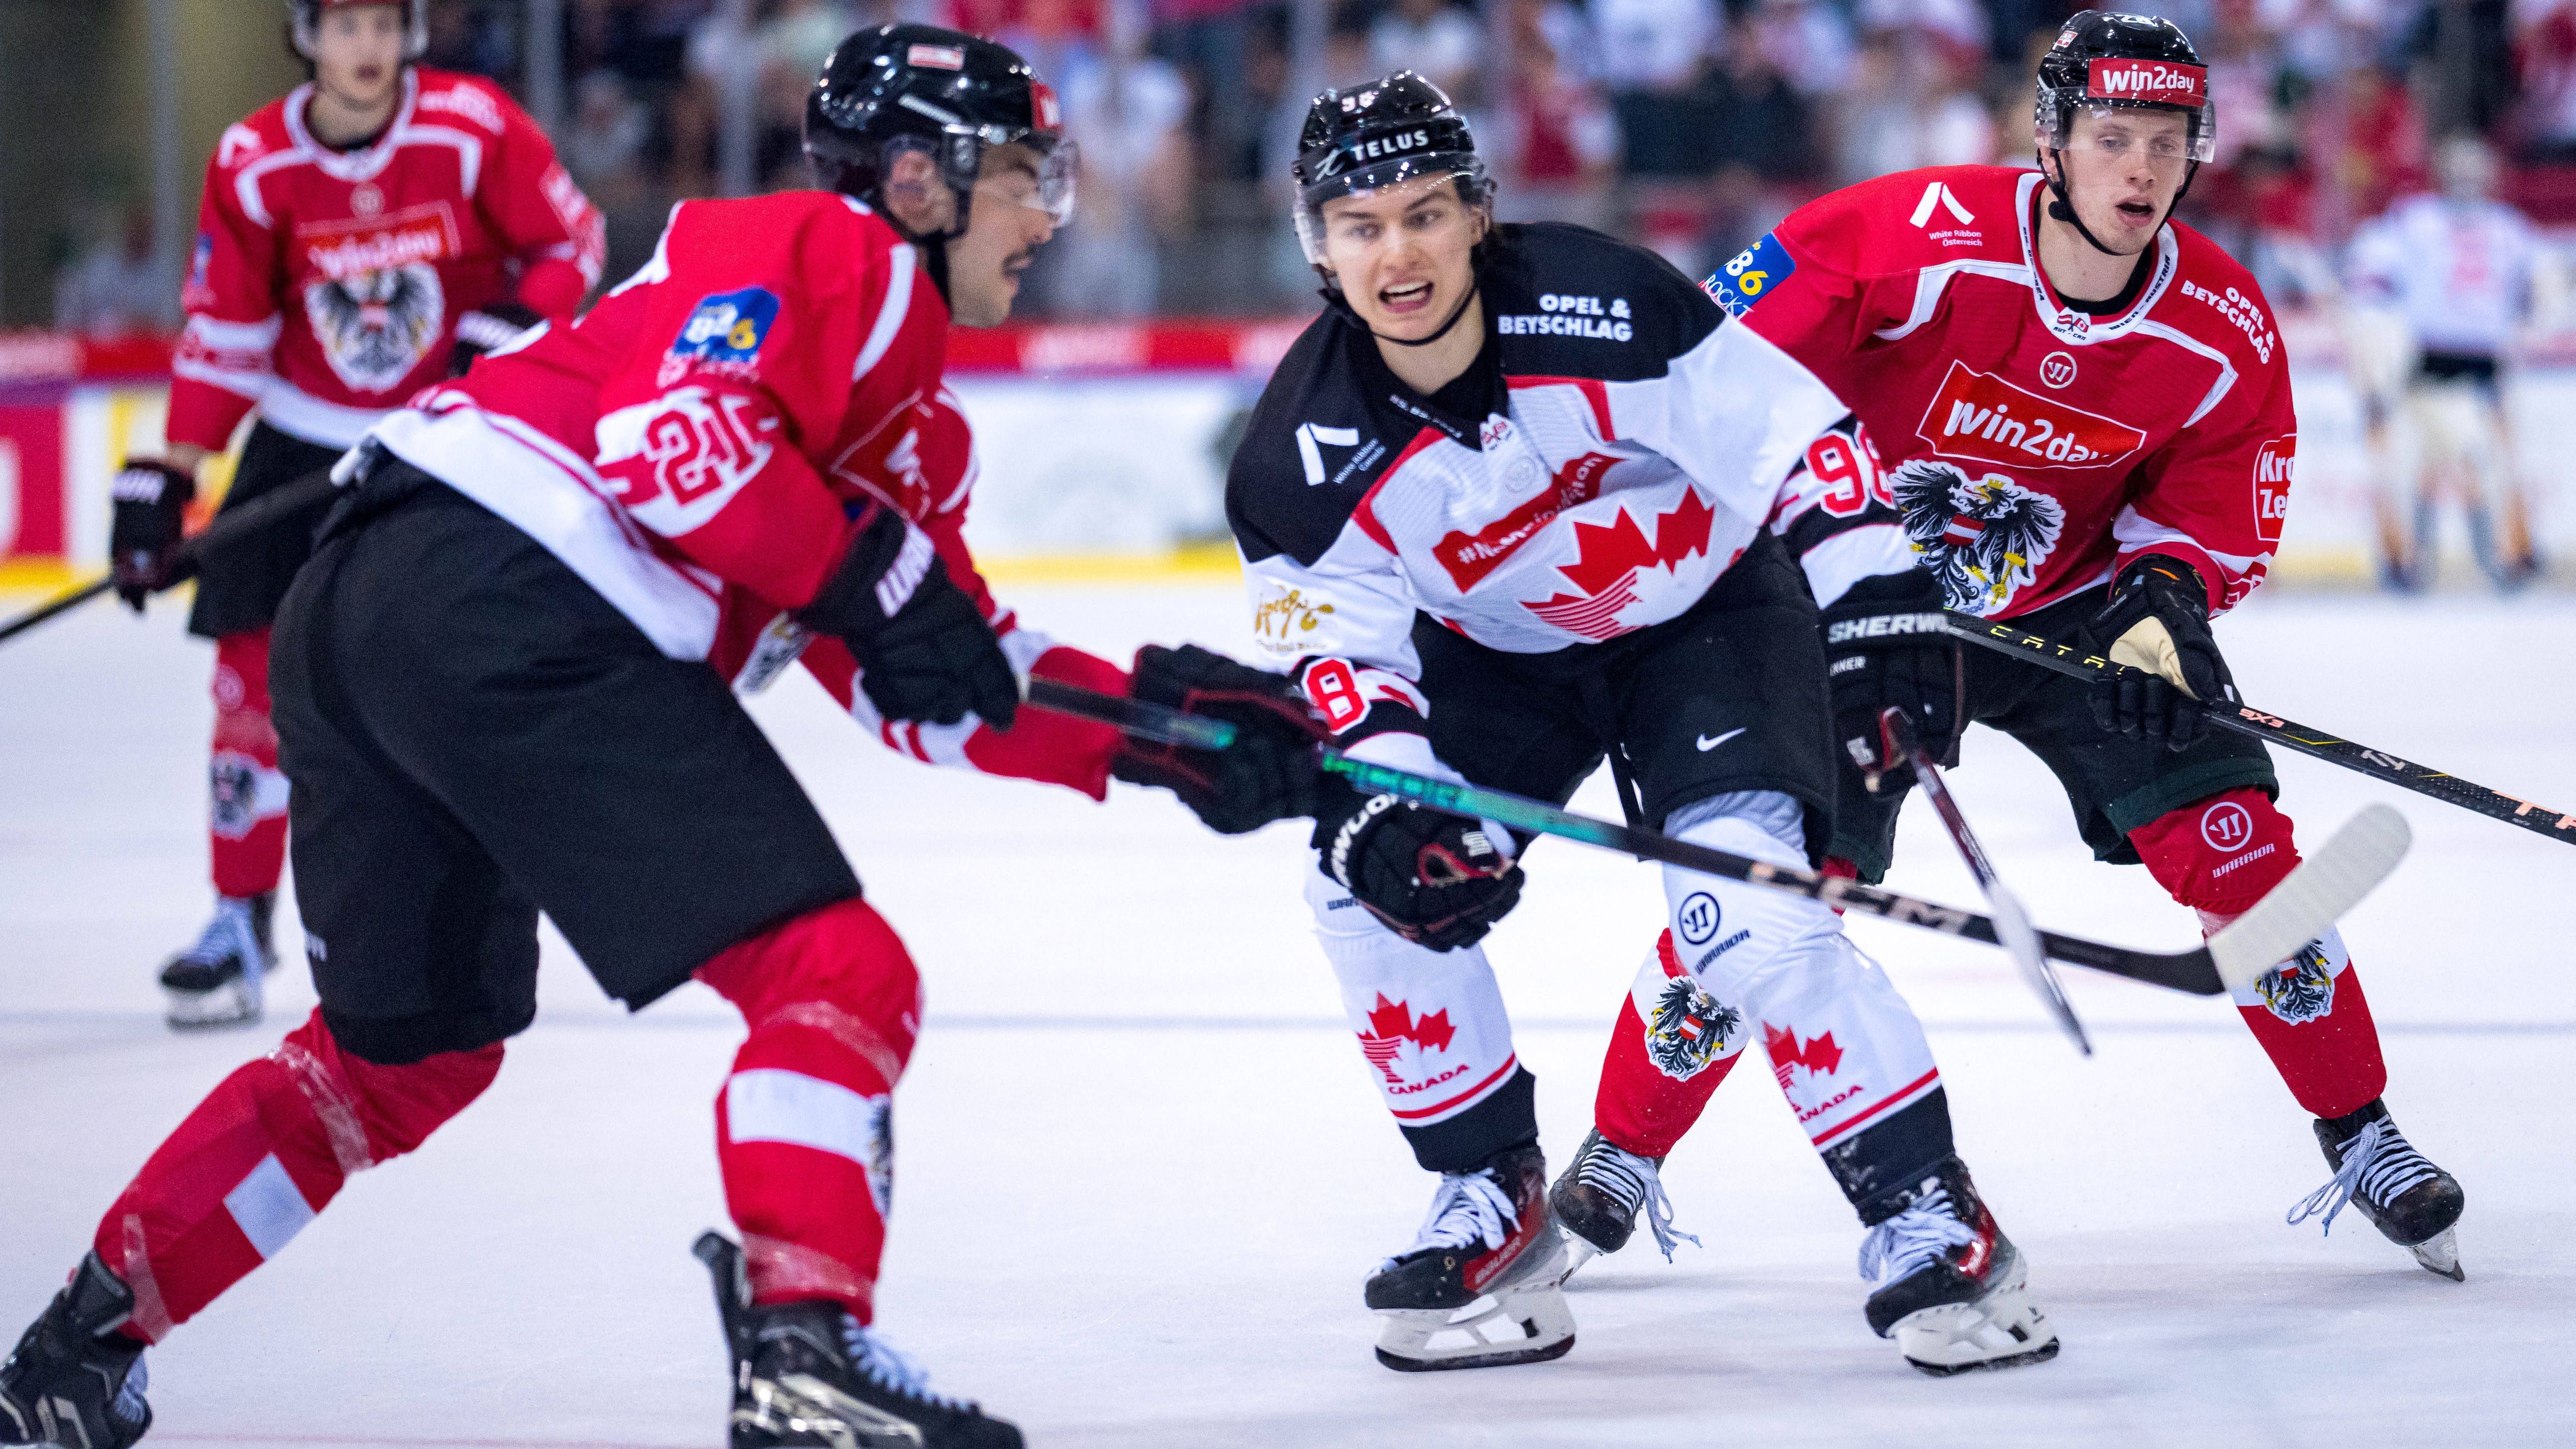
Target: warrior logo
1819 1055
1984 540
1690 1030
2302 990
376 326
1392 1026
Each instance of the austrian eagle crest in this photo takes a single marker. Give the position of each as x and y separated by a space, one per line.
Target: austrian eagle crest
375 326
1690 1029
2302 989
1984 539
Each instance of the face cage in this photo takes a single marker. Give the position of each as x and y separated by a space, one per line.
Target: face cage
1477 187
2058 109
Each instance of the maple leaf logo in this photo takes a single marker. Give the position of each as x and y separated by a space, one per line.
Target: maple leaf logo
1819 1055
1392 1024
1607 558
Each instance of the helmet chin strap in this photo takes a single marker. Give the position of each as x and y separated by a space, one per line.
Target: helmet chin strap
2061 207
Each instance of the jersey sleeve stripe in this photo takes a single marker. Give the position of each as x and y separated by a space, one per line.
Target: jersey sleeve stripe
898 305
1595 392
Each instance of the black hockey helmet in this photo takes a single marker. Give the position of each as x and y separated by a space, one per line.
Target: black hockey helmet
943 92
304 23
1369 137
2105 61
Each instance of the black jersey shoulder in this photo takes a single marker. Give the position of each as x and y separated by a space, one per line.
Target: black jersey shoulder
1570 302
1313 448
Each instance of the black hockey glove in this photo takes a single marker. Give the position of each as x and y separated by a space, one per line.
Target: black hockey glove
924 652
2157 623
1884 647
1269 773
1436 880
151 519
485 328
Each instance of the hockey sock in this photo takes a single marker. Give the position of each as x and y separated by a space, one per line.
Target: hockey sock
262 1154
246 817
1671 1047
2221 855
804 1125
1433 1032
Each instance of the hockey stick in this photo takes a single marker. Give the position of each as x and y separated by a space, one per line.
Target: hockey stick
2313 896
228 528
2076 663
2020 938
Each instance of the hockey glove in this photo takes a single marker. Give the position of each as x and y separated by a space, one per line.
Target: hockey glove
2157 623
485 330
1884 647
1436 880
151 520
925 654
1269 772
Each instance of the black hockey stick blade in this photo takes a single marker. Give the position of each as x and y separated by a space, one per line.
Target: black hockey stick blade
2020 938
2192 971
2289 734
253 517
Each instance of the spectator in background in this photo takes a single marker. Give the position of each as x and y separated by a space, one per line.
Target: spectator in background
116 286
2547 124
1214 45
2462 57
603 146
473 36
1129 112
791 44
1809 42
1562 146
1652 56
1432 39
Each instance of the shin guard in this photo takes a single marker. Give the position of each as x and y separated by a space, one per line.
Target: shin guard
266 1151
2221 855
804 1125
246 795
1672 1046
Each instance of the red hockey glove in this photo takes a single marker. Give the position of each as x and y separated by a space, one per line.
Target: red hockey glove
924 652
150 522
1436 880
2157 623
1269 772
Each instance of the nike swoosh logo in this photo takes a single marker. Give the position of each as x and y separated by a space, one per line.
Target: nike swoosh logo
1706 744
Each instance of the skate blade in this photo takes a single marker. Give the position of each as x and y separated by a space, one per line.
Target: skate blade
2440 1253
227 1005
2001 1330
802 1409
1527 1325
1577 1253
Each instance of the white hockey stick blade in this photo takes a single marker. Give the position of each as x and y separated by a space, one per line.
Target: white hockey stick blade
2021 942
2330 882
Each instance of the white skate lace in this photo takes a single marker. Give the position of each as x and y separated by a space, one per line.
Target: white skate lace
2379 1165
1635 1182
1911 1240
228 934
1469 1208
128 1404
877 1361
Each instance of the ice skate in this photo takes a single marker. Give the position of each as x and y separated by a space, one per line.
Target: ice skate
807 1373
73 1381
2413 1203
1950 1287
216 982
1478 1287
1597 1197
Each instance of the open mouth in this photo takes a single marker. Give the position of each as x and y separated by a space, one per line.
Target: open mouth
1411 297
2137 211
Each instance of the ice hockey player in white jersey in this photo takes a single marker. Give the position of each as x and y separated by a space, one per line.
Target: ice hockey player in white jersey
2461 272
1516 503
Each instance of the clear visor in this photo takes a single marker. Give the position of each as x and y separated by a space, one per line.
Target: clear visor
2165 135
1374 179
1052 192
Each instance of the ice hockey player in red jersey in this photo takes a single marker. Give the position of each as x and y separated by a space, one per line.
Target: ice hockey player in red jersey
1513 506
495 694
2086 417
355 238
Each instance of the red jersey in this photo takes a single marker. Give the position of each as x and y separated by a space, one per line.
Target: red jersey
2033 450
698 445
326 284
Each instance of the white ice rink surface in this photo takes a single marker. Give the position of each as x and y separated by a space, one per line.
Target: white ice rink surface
1143 1169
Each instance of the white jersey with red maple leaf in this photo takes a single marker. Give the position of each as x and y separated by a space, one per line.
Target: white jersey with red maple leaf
327 283
2032 448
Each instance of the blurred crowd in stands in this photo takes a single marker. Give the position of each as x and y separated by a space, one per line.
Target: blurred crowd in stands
1692 125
